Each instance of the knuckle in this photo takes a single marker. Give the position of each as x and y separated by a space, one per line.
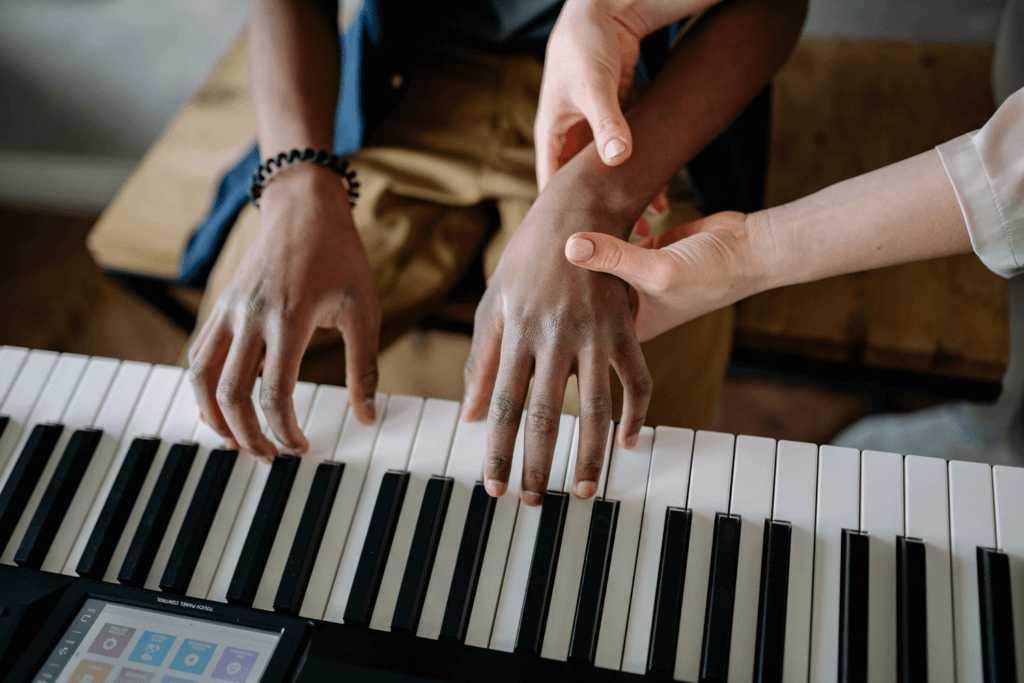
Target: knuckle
505 409
660 276
542 419
643 384
200 375
274 397
535 478
498 462
370 378
231 396
597 407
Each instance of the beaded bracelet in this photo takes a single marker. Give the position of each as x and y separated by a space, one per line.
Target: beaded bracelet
271 166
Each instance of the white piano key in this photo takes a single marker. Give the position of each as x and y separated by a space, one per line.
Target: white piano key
12 358
667 485
751 499
796 481
506 509
302 399
322 427
246 511
146 420
838 509
627 483
1009 499
391 452
429 457
524 538
972 524
464 467
321 445
227 512
710 481
927 518
881 515
354 449
178 426
49 406
570 559
80 411
21 399
112 419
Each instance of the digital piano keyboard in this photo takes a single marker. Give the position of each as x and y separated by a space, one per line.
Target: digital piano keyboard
136 547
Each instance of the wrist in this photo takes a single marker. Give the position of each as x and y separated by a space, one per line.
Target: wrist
768 264
304 182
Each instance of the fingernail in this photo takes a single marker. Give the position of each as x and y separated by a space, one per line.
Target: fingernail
531 498
614 148
584 489
495 488
579 249
370 406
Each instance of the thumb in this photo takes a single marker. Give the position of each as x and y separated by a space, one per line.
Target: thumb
611 132
607 254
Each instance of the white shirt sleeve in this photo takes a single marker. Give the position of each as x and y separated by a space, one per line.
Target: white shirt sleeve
986 168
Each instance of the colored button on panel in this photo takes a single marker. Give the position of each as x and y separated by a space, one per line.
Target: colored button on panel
235 665
127 675
111 640
152 648
193 656
89 671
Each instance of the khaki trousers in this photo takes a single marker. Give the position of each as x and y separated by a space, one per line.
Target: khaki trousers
449 172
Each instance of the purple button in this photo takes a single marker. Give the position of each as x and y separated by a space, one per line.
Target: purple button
111 640
235 664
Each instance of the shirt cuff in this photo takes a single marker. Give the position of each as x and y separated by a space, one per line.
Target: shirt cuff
986 224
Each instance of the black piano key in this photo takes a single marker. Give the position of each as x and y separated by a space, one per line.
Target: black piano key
725 555
911 610
156 515
260 539
376 547
422 552
202 509
597 561
4 421
117 508
540 582
25 476
853 607
468 562
302 556
769 648
995 607
56 499
668 600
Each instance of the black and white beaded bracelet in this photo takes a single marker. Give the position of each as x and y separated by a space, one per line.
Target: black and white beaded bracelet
273 165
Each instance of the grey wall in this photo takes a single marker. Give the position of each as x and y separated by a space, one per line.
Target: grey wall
927 20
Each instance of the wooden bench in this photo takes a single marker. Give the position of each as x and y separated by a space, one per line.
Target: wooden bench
841 108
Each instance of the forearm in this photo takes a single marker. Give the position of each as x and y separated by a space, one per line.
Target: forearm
900 213
713 73
294 64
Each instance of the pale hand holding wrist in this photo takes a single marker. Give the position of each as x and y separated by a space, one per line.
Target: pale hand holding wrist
693 269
